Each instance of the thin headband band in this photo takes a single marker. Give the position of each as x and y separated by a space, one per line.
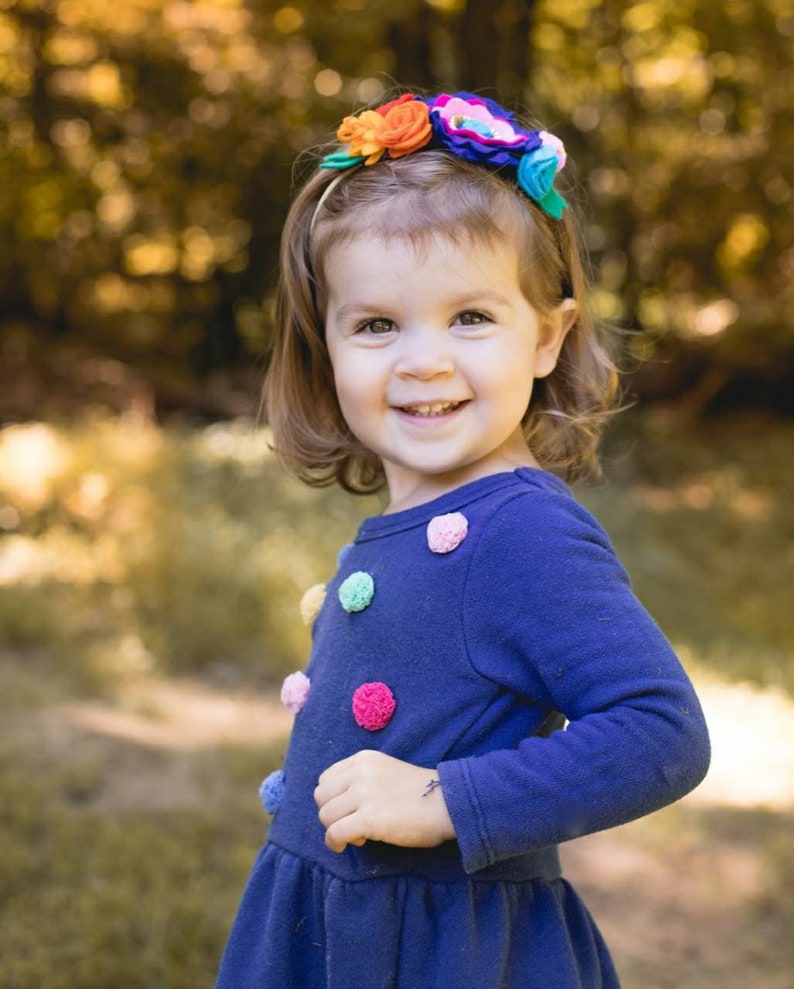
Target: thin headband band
325 194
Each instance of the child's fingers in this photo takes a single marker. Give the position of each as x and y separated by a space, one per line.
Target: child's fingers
337 807
330 785
337 778
346 831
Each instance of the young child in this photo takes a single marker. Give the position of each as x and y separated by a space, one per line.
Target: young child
432 336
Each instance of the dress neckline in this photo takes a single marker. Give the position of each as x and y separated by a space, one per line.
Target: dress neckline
453 501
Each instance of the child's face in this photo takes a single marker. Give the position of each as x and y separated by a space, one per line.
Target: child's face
434 355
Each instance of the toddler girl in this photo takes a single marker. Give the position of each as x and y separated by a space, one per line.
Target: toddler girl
432 338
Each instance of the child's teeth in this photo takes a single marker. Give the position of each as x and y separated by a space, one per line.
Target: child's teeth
431 410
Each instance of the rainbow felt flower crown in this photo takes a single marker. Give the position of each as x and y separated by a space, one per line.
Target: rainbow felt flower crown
471 127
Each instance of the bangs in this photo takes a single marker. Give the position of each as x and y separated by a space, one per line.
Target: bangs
418 201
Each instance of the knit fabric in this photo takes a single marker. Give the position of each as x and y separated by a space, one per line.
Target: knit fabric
487 650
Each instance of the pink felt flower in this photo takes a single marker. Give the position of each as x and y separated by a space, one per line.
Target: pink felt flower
373 705
295 691
553 142
447 532
473 119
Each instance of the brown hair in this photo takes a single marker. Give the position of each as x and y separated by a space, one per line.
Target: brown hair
417 198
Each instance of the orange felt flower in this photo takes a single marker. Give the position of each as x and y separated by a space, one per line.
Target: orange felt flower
364 135
406 127
405 98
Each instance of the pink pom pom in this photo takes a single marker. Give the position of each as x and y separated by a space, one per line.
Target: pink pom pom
373 705
295 691
446 532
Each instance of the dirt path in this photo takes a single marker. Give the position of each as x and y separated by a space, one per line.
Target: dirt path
687 899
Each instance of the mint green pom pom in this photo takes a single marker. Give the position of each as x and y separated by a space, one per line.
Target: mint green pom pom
357 591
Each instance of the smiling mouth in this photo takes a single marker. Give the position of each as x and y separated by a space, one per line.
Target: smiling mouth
428 411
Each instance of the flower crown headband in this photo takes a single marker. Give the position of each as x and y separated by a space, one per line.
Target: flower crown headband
471 127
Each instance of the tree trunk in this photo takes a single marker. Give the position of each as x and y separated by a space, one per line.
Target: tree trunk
493 45
411 42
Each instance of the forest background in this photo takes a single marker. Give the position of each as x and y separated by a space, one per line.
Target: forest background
152 553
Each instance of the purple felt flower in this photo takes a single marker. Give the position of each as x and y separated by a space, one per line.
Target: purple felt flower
479 130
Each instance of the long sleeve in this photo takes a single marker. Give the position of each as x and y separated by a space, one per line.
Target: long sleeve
548 612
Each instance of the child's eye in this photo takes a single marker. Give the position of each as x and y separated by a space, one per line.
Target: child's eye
377 327
471 318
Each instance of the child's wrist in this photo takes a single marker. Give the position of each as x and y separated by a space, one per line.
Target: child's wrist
442 822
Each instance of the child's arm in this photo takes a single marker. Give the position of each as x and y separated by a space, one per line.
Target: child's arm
373 796
550 614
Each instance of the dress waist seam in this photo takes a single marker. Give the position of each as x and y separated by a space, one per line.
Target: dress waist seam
541 865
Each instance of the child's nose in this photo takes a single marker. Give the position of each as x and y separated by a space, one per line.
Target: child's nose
425 358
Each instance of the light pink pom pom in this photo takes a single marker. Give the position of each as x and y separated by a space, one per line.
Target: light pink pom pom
295 691
446 532
373 705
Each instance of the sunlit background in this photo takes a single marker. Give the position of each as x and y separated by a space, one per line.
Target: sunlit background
153 554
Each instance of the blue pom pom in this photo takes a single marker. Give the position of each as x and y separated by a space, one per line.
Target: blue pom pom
272 791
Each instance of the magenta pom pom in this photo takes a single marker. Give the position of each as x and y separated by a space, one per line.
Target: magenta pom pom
447 532
295 691
373 706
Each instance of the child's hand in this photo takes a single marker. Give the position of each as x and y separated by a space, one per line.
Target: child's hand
374 796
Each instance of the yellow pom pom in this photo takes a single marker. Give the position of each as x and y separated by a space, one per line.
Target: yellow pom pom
311 602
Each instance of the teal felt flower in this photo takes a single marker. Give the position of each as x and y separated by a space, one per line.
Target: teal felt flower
341 160
536 172
356 591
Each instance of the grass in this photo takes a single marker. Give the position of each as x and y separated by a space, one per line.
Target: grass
127 549
94 899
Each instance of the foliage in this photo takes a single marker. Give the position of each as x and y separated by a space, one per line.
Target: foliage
137 548
146 149
129 547
685 116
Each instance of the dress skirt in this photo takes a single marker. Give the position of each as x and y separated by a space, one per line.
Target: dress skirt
301 927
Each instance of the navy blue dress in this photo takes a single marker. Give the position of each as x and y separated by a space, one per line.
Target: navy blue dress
487 649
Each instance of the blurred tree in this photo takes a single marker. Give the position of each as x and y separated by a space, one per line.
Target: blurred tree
680 114
146 150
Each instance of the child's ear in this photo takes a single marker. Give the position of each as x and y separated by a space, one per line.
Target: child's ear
553 329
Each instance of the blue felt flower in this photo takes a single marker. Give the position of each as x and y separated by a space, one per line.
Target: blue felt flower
535 175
